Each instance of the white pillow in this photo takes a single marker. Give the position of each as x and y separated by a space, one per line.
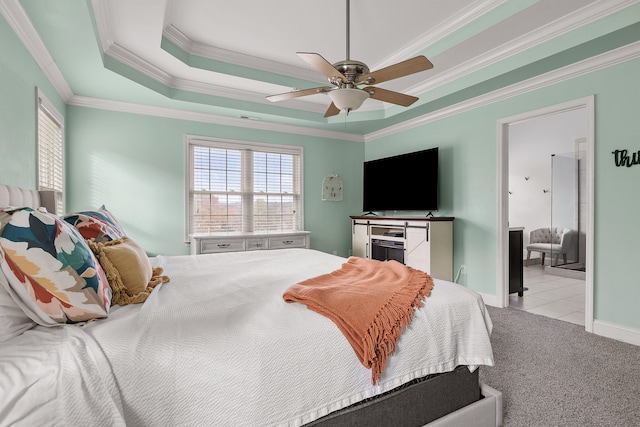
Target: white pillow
13 320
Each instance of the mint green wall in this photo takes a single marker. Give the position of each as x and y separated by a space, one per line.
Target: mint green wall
19 77
468 176
134 164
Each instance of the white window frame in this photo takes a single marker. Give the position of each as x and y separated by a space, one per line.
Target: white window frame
50 176
196 140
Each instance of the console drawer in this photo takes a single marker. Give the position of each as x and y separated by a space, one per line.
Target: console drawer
257 244
282 242
220 245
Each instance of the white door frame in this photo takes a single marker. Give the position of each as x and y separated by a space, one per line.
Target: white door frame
502 273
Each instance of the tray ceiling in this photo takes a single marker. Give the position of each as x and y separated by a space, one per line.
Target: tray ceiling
224 58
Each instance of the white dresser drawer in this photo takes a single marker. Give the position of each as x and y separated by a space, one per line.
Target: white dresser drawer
220 245
282 242
257 244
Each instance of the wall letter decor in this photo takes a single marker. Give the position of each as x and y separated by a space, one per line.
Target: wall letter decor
621 158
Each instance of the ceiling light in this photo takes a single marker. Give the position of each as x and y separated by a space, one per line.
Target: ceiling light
347 99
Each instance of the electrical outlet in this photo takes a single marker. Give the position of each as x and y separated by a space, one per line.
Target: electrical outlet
463 269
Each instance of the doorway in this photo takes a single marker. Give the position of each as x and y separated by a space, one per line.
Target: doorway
537 185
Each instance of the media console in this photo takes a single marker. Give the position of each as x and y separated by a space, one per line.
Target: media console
422 243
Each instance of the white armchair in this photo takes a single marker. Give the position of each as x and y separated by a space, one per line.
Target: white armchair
549 240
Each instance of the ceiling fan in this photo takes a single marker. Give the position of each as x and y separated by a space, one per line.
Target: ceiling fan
346 77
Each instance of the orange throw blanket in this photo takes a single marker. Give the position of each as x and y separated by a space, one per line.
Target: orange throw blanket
371 302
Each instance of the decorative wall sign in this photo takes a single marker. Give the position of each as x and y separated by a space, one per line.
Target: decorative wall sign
621 158
332 188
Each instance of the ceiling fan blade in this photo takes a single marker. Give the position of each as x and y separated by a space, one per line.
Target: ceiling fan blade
299 93
332 110
322 65
401 69
390 96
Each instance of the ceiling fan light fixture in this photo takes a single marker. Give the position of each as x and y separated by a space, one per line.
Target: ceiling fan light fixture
348 99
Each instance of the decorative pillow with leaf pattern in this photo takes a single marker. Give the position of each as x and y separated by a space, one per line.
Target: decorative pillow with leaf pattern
99 225
49 265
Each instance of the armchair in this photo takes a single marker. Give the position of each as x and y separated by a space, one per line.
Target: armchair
549 240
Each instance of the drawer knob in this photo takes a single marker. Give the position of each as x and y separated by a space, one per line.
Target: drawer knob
287 242
224 245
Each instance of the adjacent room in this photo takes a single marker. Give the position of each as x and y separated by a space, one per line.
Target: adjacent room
548 198
322 213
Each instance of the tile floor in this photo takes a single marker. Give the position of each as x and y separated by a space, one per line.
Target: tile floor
552 296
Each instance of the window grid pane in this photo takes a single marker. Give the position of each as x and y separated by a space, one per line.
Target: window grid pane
215 213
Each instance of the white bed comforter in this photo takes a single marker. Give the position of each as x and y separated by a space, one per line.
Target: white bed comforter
218 346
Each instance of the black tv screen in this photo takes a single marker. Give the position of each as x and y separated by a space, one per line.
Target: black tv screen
408 182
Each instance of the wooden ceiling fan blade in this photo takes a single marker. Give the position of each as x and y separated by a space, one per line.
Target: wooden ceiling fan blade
390 96
401 69
332 110
298 93
322 65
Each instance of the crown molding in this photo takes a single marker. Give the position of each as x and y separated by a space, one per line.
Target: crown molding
126 57
471 13
242 95
605 60
178 38
131 60
548 32
444 29
21 25
18 20
243 122
100 16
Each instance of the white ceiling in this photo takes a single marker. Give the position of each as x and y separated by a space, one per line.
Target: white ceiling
226 57
267 35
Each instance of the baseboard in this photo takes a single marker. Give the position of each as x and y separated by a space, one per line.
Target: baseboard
600 327
486 412
617 332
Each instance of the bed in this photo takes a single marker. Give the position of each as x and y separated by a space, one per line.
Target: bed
218 345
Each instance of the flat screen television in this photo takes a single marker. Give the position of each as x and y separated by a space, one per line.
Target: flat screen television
408 182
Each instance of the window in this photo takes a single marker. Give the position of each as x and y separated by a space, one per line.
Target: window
50 160
243 187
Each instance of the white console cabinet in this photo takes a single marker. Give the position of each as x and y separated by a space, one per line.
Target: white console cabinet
422 243
235 242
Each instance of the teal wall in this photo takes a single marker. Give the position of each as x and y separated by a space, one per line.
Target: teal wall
468 177
134 165
19 77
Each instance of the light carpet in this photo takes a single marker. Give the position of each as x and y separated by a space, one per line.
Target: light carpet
553 373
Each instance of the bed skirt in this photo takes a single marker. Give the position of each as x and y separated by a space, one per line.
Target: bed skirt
413 404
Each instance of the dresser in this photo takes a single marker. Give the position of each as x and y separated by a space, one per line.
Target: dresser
424 243
237 242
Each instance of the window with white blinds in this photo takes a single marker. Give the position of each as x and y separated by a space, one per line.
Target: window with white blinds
50 150
243 187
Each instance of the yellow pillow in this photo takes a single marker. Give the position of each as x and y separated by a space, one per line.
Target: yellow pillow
128 270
